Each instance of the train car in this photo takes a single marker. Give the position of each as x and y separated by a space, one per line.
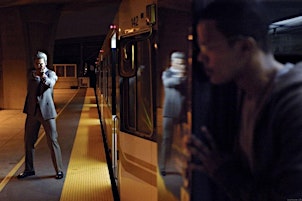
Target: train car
131 61
133 57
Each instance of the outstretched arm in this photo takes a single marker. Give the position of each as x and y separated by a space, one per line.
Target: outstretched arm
50 79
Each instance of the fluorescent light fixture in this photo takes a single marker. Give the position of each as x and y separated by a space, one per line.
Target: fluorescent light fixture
285 24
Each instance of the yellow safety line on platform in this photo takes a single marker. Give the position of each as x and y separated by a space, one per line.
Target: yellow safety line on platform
13 171
87 176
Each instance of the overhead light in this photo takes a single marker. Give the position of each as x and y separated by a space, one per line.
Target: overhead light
286 24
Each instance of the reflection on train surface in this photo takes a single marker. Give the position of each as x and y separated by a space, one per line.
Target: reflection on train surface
130 67
135 53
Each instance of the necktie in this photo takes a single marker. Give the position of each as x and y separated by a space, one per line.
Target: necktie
40 87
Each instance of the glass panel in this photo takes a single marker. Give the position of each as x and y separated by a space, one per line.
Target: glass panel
132 102
128 59
60 71
70 71
109 88
144 97
138 94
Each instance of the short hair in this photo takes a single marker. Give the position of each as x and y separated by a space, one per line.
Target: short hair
236 18
178 55
41 55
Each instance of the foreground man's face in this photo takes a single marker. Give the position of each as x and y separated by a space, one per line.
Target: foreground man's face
216 54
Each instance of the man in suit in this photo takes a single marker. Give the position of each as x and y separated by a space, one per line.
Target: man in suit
174 81
40 109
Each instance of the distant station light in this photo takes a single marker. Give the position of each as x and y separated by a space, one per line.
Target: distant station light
112 26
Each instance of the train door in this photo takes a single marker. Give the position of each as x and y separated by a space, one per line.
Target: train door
148 32
137 146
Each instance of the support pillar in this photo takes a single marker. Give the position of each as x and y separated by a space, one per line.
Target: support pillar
24 30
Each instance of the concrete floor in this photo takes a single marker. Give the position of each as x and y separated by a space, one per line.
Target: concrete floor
43 186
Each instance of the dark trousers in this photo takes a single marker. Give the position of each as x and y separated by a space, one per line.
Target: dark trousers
166 144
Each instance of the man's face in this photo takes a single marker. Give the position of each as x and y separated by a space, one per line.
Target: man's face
219 58
40 65
179 64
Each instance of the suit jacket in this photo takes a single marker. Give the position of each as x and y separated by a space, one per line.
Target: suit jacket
40 94
175 94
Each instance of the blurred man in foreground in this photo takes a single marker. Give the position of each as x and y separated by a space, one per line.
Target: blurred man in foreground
266 164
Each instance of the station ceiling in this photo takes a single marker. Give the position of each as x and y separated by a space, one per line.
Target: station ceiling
76 4
79 18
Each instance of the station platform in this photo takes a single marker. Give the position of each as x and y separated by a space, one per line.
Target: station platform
86 173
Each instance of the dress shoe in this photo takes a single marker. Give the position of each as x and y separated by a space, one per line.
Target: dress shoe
163 172
59 175
26 174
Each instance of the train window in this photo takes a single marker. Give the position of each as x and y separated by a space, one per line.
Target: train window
137 94
71 71
128 65
65 70
59 71
108 87
106 79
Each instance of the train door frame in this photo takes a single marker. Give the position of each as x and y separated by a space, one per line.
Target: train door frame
115 118
137 125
